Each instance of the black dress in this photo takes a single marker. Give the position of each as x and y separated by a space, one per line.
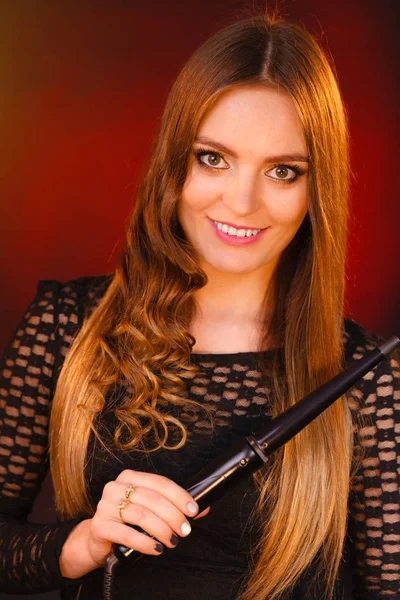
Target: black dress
214 560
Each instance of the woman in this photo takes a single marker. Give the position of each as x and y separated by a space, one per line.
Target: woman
225 309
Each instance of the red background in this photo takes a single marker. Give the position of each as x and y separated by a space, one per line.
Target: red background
82 89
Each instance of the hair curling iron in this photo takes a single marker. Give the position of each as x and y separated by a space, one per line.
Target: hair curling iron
251 453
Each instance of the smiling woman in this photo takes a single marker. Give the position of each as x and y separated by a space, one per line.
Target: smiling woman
254 184
225 309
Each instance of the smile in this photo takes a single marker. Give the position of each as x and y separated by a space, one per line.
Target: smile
235 231
236 236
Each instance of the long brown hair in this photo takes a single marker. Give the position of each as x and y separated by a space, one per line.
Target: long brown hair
139 331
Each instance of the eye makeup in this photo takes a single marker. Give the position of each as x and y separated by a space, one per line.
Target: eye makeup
296 169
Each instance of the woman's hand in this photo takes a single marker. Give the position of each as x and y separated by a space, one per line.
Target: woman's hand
157 505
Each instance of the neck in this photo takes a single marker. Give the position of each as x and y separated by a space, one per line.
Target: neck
235 297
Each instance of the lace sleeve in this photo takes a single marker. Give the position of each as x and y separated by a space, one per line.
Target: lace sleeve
375 497
29 553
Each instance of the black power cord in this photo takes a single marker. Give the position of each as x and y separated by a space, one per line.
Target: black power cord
109 576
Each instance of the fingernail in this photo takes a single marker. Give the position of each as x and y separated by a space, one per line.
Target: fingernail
192 507
174 540
186 529
159 547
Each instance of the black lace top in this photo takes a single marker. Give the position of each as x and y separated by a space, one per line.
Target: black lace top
212 562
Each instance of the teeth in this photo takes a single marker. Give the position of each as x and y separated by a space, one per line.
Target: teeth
236 232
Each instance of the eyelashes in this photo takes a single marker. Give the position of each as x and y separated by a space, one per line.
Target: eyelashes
200 153
285 169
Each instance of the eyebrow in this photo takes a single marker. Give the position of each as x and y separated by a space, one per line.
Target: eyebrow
271 159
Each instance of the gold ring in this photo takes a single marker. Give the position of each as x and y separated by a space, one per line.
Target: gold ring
121 507
129 491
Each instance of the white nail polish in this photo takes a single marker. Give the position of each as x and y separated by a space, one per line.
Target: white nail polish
186 529
192 508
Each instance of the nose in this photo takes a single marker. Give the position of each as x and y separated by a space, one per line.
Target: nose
242 194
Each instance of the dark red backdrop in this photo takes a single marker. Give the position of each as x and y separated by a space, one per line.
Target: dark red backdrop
82 88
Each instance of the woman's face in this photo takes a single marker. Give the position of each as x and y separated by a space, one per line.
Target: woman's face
248 174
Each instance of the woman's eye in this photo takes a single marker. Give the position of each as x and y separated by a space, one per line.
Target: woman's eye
283 173
211 160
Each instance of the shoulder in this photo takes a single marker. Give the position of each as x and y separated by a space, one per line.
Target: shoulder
55 305
71 300
378 392
81 290
43 336
57 313
357 340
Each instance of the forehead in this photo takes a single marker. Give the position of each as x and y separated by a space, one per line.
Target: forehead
259 117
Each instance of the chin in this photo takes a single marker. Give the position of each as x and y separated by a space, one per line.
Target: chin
230 267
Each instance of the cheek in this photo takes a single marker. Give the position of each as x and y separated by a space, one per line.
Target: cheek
288 208
199 191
